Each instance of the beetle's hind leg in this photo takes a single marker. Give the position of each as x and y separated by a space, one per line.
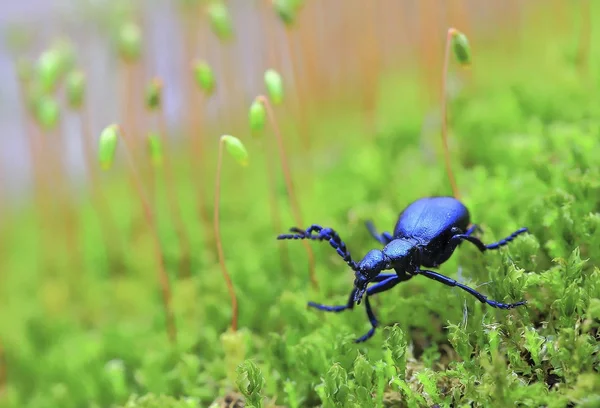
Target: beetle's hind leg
456 239
384 238
506 240
482 298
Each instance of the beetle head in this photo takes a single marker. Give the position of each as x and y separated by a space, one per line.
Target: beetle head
399 254
369 267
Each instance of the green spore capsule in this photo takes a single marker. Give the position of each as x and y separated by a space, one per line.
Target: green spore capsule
154 94
205 77
220 20
107 146
236 149
461 48
130 41
155 149
274 86
257 116
75 86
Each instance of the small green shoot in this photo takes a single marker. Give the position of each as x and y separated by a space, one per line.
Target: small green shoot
459 43
109 138
238 151
251 382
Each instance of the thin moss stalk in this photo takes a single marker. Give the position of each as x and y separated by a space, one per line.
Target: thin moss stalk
428 47
457 41
24 81
257 116
108 142
289 18
76 84
46 112
289 185
371 65
130 52
170 181
585 37
205 80
3 369
238 151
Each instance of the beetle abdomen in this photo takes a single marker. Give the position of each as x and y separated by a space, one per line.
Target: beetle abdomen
433 217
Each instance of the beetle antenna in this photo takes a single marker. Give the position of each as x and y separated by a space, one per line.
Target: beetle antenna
323 234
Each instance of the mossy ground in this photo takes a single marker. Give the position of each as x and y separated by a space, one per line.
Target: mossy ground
525 147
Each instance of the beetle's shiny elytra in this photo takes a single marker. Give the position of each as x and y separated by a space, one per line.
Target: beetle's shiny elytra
426 234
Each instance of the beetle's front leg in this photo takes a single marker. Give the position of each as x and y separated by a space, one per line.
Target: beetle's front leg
385 281
323 234
382 277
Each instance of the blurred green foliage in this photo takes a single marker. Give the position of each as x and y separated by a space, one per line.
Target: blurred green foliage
525 143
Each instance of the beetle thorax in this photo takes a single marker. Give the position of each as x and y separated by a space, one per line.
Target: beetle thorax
401 253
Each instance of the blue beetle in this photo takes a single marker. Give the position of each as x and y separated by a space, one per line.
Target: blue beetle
426 234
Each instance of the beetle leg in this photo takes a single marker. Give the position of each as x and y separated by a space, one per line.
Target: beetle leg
455 240
482 298
473 228
506 240
372 320
323 234
384 238
382 277
384 285
385 281
336 309
380 287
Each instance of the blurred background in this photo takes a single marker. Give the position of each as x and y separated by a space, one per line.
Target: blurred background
337 46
